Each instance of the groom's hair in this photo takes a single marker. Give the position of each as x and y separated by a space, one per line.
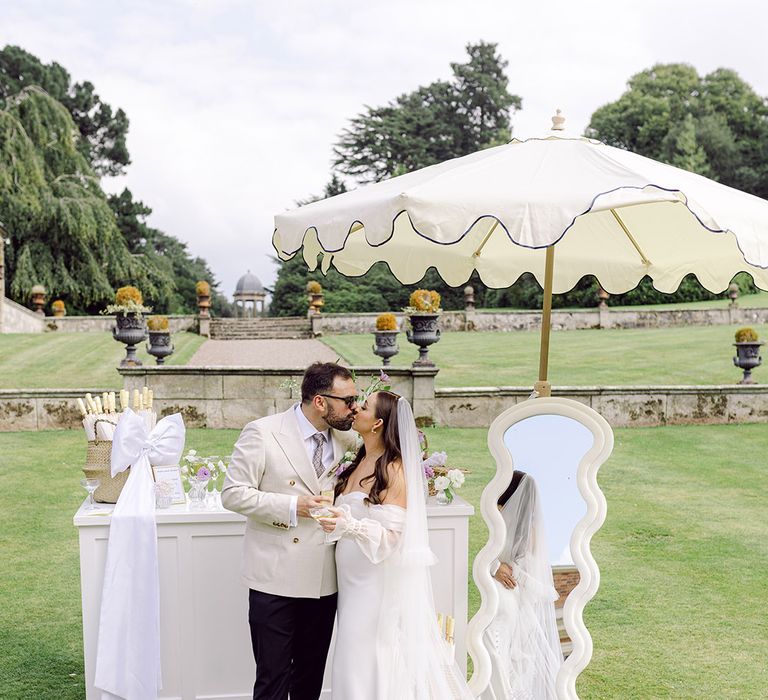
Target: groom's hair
319 377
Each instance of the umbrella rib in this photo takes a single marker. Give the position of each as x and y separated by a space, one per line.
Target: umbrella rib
630 236
476 254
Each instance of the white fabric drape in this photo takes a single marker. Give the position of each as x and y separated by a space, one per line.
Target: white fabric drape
128 652
523 640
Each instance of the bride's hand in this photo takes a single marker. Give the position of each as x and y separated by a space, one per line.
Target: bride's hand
504 576
329 524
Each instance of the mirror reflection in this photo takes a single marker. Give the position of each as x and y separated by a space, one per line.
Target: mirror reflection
535 571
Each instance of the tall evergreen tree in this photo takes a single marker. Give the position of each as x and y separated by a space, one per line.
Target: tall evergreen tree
102 130
442 120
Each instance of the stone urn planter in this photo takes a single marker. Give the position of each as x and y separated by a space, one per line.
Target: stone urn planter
315 297
37 296
385 345
424 331
130 328
160 345
203 292
747 358
59 309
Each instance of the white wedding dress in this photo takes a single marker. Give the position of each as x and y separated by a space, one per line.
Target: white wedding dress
361 589
388 643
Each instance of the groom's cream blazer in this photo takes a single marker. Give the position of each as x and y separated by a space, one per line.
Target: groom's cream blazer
269 465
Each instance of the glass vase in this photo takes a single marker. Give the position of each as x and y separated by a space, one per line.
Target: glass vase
198 491
442 497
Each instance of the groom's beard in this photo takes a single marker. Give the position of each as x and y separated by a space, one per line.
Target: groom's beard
338 422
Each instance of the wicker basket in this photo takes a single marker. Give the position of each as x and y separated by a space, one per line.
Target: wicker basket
97 466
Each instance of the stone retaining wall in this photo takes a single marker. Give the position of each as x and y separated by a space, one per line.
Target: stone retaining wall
622 407
41 409
229 397
561 320
89 324
15 318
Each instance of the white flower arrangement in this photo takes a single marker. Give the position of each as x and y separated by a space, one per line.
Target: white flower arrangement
196 467
440 477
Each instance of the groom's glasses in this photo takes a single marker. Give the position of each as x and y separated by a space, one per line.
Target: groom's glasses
350 401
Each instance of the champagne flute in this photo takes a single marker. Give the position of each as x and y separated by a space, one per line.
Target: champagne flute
322 511
90 485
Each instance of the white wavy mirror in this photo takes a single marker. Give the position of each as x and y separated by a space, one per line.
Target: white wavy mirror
536 573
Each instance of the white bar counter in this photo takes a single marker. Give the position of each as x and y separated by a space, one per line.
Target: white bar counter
205 639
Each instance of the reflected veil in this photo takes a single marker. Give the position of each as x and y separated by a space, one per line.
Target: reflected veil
523 640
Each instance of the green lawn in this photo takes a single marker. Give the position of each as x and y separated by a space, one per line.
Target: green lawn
683 554
695 355
75 360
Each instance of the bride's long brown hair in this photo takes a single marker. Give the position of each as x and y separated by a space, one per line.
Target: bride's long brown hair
386 410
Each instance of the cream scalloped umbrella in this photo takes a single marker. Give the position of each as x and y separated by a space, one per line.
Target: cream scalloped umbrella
515 208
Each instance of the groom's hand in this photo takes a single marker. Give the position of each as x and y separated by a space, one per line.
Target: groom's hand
304 503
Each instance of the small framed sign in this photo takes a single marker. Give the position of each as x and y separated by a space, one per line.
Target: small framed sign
172 477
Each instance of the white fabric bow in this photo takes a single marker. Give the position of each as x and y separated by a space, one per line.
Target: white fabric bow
128 651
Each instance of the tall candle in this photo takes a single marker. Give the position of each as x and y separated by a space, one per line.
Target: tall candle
81 406
136 400
124 399
450 624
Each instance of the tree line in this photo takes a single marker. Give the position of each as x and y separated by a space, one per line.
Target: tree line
58 138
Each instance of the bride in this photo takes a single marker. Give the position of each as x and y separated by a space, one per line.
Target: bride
523 640
388 644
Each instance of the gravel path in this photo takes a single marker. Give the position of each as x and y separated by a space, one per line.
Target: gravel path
262 353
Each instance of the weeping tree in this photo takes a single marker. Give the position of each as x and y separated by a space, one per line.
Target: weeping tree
63 232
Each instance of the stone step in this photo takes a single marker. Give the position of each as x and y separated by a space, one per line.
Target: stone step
260 328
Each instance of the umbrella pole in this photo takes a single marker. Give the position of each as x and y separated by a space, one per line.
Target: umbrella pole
543 387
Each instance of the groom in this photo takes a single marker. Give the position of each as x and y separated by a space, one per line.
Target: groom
276 475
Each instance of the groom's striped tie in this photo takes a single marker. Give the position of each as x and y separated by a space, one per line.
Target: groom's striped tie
317 457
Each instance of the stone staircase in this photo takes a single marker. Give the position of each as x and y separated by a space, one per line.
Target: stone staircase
260 328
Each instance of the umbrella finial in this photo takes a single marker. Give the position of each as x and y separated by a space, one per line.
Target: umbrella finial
558 122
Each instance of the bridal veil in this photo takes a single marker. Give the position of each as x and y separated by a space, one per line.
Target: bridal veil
416 662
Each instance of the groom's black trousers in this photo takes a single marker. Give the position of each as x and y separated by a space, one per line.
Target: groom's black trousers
290 638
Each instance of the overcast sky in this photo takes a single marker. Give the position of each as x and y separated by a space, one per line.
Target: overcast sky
235 104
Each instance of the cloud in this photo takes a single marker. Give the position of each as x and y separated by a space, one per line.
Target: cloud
234 105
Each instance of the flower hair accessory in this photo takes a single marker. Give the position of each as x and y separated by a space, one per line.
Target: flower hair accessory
380 383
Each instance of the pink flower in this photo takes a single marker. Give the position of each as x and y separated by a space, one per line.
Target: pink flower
383 376
428 471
